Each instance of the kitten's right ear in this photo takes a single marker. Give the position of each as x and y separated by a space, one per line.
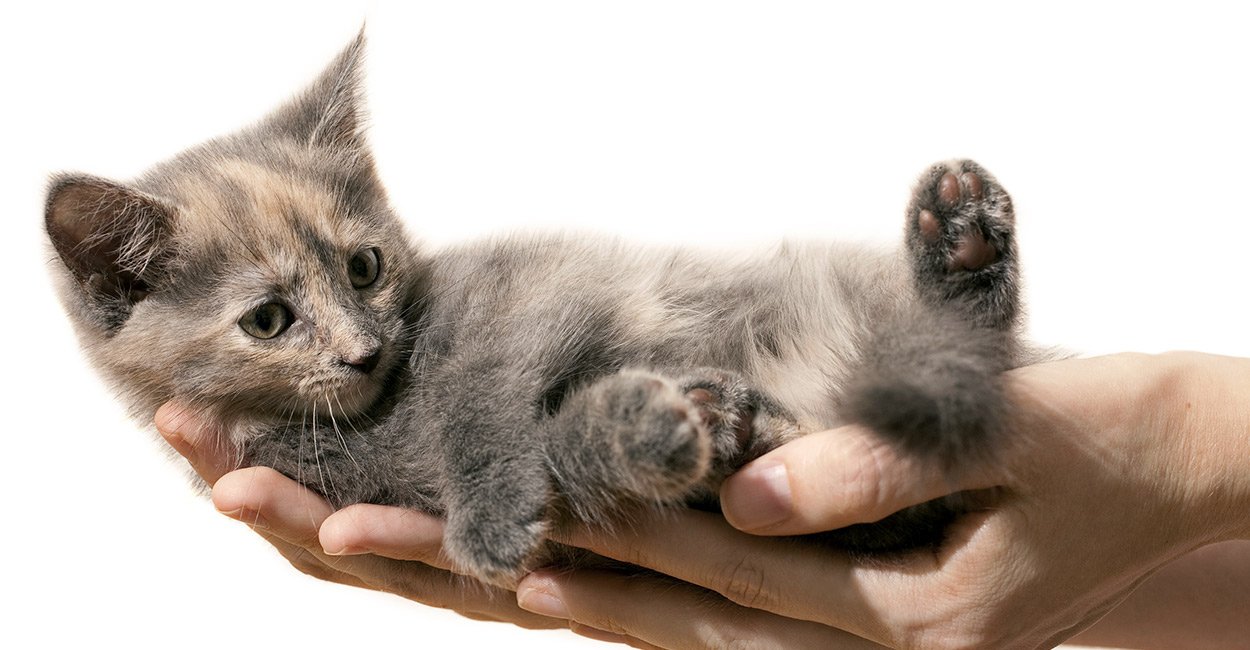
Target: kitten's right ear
111 237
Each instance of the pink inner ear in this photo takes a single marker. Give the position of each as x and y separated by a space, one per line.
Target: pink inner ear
79 225
102 228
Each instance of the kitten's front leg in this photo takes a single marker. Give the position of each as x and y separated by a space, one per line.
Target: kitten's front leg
497 487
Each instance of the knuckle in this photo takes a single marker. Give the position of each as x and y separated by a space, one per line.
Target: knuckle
950 643
308 564
865 484
957 634
635 552
607 622
744 583
415 584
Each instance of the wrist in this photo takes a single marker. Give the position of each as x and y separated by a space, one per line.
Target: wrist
1208 431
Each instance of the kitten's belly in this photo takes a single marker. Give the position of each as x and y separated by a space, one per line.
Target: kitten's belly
805 390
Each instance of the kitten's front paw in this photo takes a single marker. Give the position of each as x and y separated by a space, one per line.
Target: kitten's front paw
742 424
494 547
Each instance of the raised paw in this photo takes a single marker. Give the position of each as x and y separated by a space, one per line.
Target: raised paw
961 240
960 216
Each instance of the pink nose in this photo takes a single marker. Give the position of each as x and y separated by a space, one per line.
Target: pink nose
364 361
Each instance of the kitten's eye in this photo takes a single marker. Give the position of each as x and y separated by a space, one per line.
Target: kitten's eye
267 320
362 270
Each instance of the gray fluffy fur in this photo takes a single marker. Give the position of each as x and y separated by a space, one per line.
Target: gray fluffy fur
515 384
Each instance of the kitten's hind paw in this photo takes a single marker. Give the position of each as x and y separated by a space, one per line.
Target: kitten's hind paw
663 442
954 216
961 239
726 407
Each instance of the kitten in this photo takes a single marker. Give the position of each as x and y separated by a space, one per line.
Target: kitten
520 383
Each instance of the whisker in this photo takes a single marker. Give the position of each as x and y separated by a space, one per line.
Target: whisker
342 440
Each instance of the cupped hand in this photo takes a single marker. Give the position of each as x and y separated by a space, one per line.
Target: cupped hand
1116 466
374 547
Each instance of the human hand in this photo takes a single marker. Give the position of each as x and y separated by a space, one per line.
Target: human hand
375 547
1117 466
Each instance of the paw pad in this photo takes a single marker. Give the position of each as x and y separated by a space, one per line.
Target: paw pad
955 210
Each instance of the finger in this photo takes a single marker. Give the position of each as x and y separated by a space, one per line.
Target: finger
830 480
667 614
199 442
607 637
290 515
788 577
396 533
263 498
308 562
438 588
284 513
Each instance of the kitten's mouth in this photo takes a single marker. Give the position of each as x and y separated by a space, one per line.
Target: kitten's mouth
361 390
350 388
357 388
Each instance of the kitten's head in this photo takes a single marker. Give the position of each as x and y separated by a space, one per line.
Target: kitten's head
260 275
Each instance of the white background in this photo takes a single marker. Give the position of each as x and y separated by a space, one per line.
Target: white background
1121 132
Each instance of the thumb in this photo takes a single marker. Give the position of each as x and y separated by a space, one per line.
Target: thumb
829 480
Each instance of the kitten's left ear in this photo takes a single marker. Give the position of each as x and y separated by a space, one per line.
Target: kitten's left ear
329 113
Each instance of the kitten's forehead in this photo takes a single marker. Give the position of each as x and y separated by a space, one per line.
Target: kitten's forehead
251 206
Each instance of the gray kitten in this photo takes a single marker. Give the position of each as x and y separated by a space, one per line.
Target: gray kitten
517 384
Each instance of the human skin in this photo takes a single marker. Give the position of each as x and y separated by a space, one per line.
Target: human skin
1117 466
406 558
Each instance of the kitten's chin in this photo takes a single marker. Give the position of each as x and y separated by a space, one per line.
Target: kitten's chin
351 402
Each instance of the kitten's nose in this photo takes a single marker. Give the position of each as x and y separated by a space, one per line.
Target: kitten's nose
365 360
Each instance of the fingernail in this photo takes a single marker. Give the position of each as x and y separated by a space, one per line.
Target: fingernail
540 597
758 496
249 517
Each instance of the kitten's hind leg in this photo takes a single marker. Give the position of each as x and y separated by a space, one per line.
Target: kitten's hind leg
930 378
639 438
632 437
931 383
